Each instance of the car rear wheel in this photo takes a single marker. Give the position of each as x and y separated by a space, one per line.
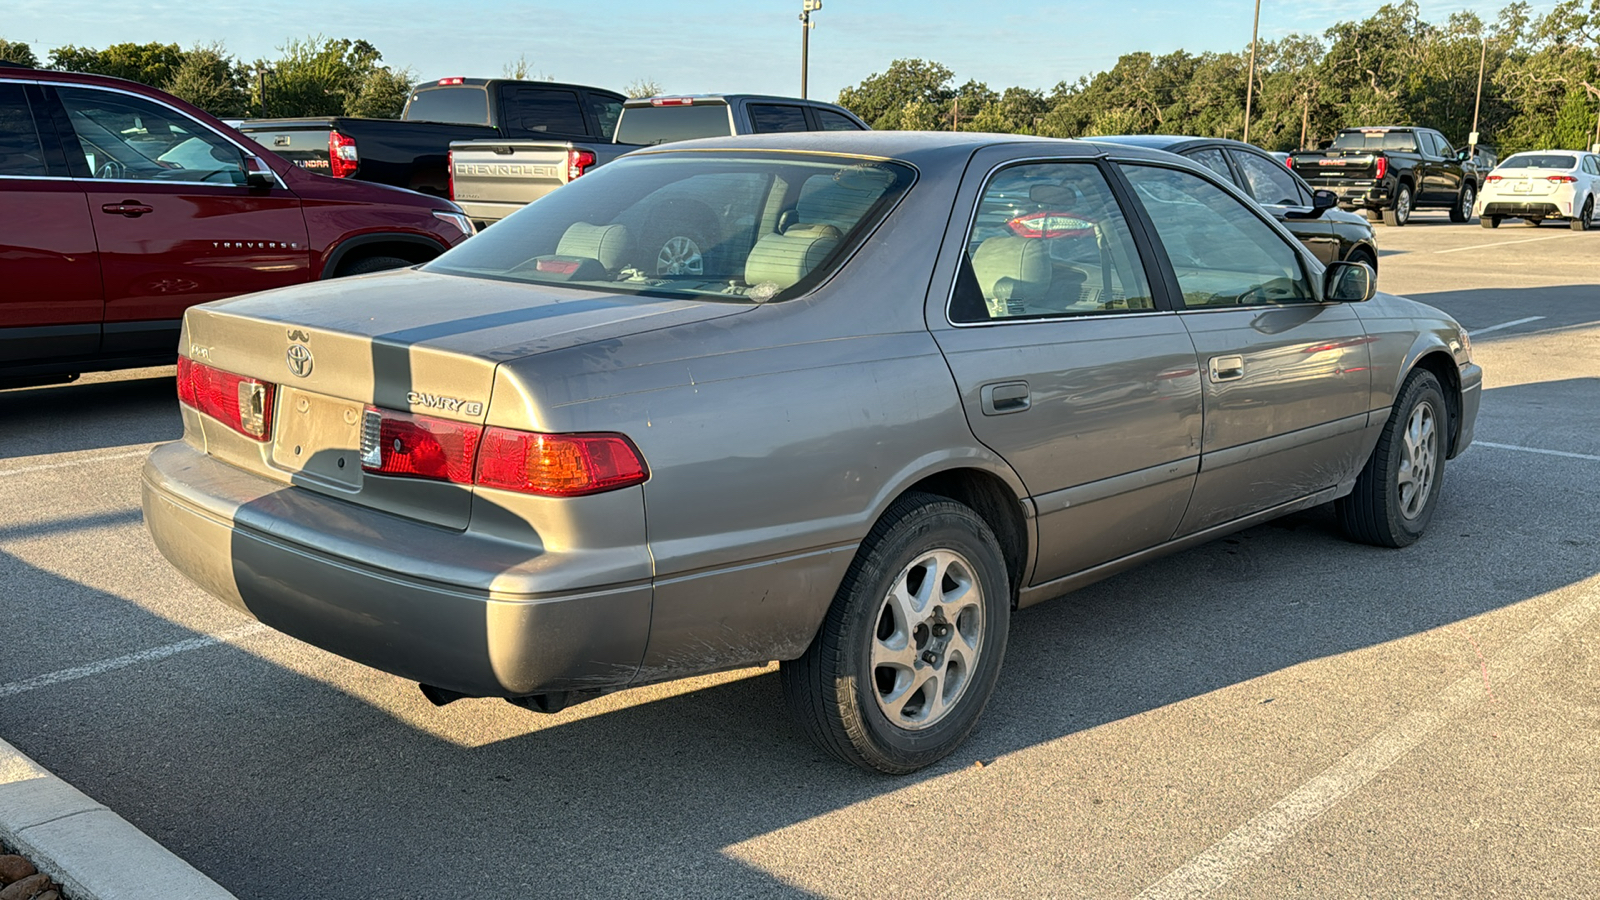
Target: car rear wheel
1534 223
1400 212
911 648
1586 218
1462 211
1398 488
1489 221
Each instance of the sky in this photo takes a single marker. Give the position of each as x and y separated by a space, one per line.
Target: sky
707 45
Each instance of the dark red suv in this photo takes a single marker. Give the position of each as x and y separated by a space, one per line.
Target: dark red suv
121 206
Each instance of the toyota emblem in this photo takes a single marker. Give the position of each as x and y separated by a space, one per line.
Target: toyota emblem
299 359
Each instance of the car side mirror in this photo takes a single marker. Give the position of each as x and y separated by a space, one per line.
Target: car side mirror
1349 282
259 175
1321 202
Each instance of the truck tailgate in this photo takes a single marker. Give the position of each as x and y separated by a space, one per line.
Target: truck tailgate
303 143
493 179
1336 165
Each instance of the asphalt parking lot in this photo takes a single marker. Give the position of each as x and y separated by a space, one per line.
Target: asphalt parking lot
1280 713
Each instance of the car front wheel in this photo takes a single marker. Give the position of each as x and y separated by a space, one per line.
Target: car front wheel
1397 490
911 648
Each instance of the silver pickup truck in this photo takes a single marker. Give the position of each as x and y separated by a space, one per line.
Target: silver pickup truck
492 179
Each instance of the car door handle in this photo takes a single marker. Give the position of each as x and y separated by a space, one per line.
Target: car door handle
1227 368
1005 397
133 209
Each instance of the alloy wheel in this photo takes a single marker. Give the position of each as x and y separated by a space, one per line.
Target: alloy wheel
680 256
927 638
1416 474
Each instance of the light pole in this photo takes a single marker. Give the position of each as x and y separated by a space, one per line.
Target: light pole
1250 77
1472 139
807 7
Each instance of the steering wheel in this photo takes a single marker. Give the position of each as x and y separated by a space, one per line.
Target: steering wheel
111 169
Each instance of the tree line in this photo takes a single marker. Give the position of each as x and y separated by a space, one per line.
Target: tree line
317 76
1541 86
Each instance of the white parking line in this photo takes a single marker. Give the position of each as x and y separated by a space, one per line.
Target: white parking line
1477 331
1564 453
81 461
119 662
1289 816
1506 243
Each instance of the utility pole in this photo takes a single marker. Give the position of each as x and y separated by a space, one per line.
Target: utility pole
1472 139
1250 78
807 7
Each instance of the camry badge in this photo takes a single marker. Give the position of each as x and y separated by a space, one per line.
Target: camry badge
299 359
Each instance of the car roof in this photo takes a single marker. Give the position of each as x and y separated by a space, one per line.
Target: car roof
915 147
1170 141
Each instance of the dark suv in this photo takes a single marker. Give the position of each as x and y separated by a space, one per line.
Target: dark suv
121 206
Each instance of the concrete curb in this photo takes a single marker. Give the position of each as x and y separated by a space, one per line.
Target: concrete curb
94 853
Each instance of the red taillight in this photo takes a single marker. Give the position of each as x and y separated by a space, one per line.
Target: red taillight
1491 179
1560 179
549 465
1288 161
243 404
671 101
1383 167
578 162
456 80
450 173
1051 225
394 443
342 157
558 465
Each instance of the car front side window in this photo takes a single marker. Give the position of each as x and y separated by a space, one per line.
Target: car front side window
126 138
1223 254
1048 240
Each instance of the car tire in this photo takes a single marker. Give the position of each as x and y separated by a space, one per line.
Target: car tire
1363 256
1399 212
1461 213
1398 488
370 264
1534 223
1489 221
925 604
1583 220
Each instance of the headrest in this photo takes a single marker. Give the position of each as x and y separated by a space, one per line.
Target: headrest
823 199
784 259
607 243
1014 269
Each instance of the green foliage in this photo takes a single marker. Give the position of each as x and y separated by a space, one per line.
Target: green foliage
643 87
211 80
153 64
1541 85
17 52
382 94
320 76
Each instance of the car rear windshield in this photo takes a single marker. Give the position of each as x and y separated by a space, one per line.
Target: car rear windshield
1540 161
1403 141
461 104
734 227
665 124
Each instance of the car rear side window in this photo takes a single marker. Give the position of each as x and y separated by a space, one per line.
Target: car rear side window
127 138
832 121
1048 241
1268 182
537 111
606 111
21 152
460 104
1211 158
1223 254
770 117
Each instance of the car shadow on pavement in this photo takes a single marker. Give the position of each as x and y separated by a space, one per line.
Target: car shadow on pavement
278 783
90 415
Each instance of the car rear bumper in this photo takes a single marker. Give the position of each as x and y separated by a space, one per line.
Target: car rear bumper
451 609
1364 195
1523 209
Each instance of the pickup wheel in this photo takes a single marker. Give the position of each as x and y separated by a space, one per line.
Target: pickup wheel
1363 255
1400 212
1462 211
911 647
1583 220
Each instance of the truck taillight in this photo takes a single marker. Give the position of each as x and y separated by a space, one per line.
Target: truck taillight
1383 167
243 404
548 465
1288 161
578 162
395 443
343 160
450 173
558 465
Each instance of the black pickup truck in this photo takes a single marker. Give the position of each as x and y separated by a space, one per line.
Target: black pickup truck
1390 171
411 151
